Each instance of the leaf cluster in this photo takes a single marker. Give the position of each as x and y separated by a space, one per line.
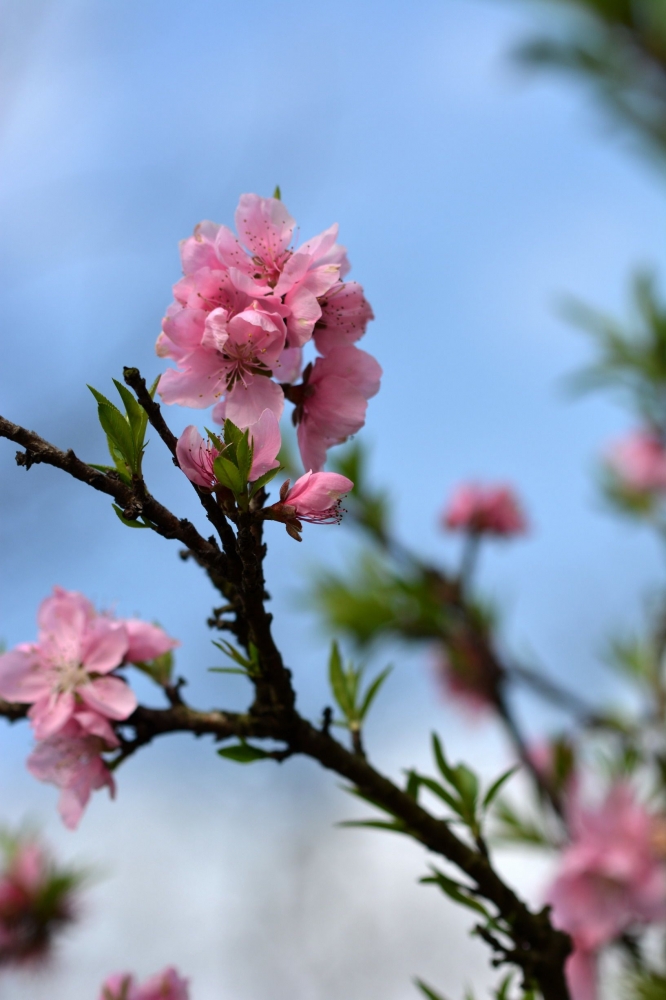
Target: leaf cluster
619 47
347 687
233 465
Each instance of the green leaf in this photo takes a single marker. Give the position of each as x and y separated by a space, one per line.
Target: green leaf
428 990
118 430
277 193
496 786
134 412
442 763
467 785
126 522
228 475
160 669
243 753
412 786
227 670
338 681
244 452
442 793
455 891
375 824
372 692
264 480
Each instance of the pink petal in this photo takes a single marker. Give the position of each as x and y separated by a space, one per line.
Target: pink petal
51 714
198 250
146 641
264 225
289 365
105 645
265 436
96 725
244 405
304 313
318 491
201 383
22 679
189 452
109 696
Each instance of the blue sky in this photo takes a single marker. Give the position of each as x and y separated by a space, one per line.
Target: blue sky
471 198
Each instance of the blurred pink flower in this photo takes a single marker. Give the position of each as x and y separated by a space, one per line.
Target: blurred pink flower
65 674
460 671
492 510
166 985
36 900
71 760
315 497
639 462
610 879
334 400
146 641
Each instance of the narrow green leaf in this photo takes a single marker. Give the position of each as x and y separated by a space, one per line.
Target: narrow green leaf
233 653
277 193
455 891
497 786
375 824
372 692
99 397
467 785
428 990
126 522
118 430
264 480
412 786
215 439
242 753
227 670
244 452
442 764
443 794
338 682
132 408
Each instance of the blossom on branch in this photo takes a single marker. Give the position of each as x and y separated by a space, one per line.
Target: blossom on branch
243 311
611 879
166 985
37 899
485 510
315 497
196 457
67 674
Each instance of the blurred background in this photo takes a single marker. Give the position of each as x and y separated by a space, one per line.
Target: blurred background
473 199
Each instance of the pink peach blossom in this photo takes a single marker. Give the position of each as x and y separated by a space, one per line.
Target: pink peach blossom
610 878
235 358
71 760
639 462
196 456
66 674
345 314
166 985
316 496
581 973
334 401
491 510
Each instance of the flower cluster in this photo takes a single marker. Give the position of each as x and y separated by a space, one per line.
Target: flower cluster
638 463
612 878
315 497
37 899
242 314
485 510
68 677
166 985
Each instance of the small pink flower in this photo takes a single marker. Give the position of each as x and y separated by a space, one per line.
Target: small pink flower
196 456
610 878
461 673
639 462
316 496
334 400
66 674
71 760
491 510
36 900
166 985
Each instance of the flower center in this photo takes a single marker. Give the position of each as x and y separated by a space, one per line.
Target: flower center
69 676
